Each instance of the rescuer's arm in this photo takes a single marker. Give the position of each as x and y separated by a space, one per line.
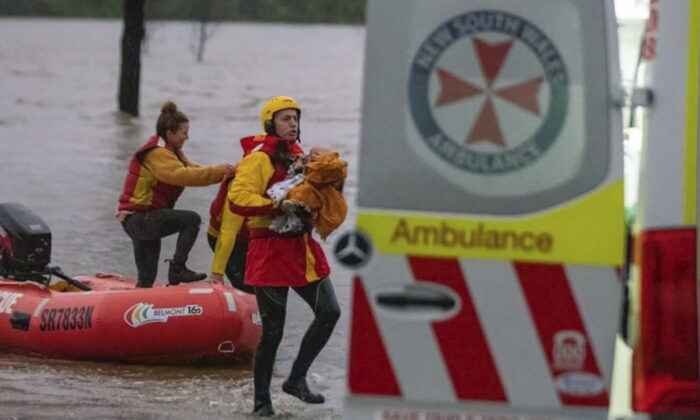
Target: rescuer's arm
248 188
167 168
189 162
231 224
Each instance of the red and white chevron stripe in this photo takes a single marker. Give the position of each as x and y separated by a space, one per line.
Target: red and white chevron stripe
530 335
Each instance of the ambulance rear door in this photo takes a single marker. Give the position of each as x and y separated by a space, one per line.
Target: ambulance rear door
490 211
664 276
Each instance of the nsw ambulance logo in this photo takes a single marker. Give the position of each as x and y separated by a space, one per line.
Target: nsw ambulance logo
488 92
144 313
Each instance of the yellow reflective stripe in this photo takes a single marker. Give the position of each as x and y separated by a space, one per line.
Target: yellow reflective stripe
143 190
587 231
691 112
311 274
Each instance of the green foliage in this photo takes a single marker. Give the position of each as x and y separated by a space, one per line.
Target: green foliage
61 8
302 11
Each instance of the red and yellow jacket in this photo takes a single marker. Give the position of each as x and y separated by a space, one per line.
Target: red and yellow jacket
226 221
157 176
272 259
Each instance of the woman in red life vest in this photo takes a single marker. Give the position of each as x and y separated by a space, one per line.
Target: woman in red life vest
277 262
157 175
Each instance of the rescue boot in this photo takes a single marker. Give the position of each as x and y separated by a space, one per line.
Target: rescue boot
298 388
179 273
263 409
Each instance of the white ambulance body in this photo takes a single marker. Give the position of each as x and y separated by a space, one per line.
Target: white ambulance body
490 224
664 279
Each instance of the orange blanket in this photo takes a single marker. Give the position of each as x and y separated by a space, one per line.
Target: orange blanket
320 192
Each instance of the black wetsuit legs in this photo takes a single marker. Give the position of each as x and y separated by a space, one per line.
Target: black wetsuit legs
147 228
272 304
322 300
146 255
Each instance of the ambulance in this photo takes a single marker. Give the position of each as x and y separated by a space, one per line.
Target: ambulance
490 231
663 319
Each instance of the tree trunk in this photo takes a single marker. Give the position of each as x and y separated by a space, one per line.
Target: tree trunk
204 11
131 57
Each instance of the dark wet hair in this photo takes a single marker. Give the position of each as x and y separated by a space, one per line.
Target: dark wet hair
170 119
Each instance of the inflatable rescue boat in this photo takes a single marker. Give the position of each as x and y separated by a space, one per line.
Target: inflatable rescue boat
104 317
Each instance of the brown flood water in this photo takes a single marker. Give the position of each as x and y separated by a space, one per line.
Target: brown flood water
63 153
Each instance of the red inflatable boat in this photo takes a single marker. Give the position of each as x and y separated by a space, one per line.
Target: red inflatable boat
115 321
105 317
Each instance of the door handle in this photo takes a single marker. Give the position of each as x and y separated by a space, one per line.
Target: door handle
417 297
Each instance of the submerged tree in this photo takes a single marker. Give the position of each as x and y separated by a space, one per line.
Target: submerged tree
203 11
131 57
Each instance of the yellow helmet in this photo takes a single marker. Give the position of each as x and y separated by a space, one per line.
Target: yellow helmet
278 103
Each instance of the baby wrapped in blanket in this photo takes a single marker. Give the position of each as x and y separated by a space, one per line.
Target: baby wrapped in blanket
313 197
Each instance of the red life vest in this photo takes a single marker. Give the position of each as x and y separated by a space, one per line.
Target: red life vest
267 144
160 196
215 209
263 143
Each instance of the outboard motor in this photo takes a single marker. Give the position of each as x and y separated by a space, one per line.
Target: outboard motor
25 244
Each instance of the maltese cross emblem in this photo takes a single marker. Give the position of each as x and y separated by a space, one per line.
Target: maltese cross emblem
488 92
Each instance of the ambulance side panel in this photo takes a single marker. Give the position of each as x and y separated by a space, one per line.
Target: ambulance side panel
491 201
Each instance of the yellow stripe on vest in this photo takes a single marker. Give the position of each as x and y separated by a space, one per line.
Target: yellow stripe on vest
311 274
143 190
